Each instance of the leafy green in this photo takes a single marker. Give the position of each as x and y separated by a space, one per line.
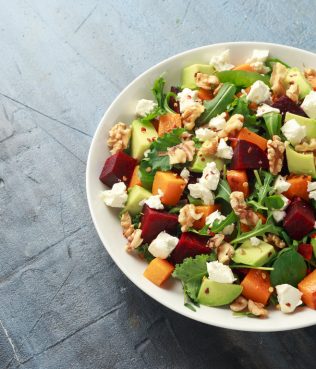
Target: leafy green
166 102
259 230
219 226
242 78
273 122
262 188
194 201
217 105
274 202
240 106
205 231
271 61
289 268
157 158
248 267
223 190
143 251
191 273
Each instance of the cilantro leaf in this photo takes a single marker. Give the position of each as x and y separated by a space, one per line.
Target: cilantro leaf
157 158
191 273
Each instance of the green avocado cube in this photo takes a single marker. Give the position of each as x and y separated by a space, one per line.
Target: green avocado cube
188 74
255 256
136 194
309 123
218 294
300 163
143 134
294 75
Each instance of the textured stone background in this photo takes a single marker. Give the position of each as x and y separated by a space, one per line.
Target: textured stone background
63 302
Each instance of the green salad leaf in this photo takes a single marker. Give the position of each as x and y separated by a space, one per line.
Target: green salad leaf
270 61
242 78
191 273
240 106
274 202
289 267
273 122
259 230
219 226
263 186
143 251
223 190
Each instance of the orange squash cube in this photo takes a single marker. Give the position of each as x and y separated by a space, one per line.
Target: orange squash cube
168 122
171 185
158 271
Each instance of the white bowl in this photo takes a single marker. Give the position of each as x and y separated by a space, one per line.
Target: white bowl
106 220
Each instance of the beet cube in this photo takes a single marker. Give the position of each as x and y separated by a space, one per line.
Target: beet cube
285 104
190 244
154 221
299 219
248 156
117 168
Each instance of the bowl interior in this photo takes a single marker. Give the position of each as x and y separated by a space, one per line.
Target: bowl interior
106 219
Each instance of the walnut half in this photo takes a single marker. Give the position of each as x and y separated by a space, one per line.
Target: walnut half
119 136
188 216
276 150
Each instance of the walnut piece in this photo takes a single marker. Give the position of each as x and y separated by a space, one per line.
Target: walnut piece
306 146
274 240
215 92
310 75
256 308
190 115
225 251
277 80
246 215
276 150
293 92
119 136
239 304
181 153
133 235
188 216
209 147
206 81
233 125
215 241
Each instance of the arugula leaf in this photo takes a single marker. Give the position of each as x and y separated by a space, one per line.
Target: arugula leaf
241 107
143 251
289 268
205 231
217 105
157 158
262 188
191 273
259 230
273 123
242 78
223 191
166 102
274 202
219 226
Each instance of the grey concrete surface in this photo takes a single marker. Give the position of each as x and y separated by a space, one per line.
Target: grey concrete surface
63 302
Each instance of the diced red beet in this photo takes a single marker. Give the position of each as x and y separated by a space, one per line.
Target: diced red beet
285 104
306 250
248 156
154 221
190 244
117 168
173 103
299 220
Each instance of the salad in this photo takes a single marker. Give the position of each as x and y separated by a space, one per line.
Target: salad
215 178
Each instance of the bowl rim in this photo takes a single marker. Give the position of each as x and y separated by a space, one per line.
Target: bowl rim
299 323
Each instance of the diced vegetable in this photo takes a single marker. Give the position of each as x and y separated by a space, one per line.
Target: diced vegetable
249 136
190 245
158 271
246 67
135 180
238 181
257 286
308 288
306 250
168 122
298 186
248 156
206 210
205 94
171 186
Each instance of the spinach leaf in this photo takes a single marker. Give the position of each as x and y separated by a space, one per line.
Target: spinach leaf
223 191
273 123
217 105
289 268
271 61
241 78
274 202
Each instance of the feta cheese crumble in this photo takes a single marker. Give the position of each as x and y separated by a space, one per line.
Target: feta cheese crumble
145 107
116 197
223 150
311 189
257 60
279 214
210 176
217 215
162 246
219 272
154 201
255 241
222 61
293 131
264 109
204 134
187 98
218 122
185 174
289 297
259 92
309 104
281 185
199 191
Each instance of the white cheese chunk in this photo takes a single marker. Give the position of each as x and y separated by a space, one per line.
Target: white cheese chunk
289 297
218 122
145 107
223 150
219 272
217 215
293 131
210 176
116 197
311 189
257 60
259 92
199 191
188 98
255 241
222 61
281 185
264 109
309 104
204 134
278 215
162 246
185 174
153 201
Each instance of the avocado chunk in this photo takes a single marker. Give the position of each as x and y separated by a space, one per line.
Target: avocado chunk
295 75
218 294
309 123
135 195
299 163
188 74
200 161
143 134
254 255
